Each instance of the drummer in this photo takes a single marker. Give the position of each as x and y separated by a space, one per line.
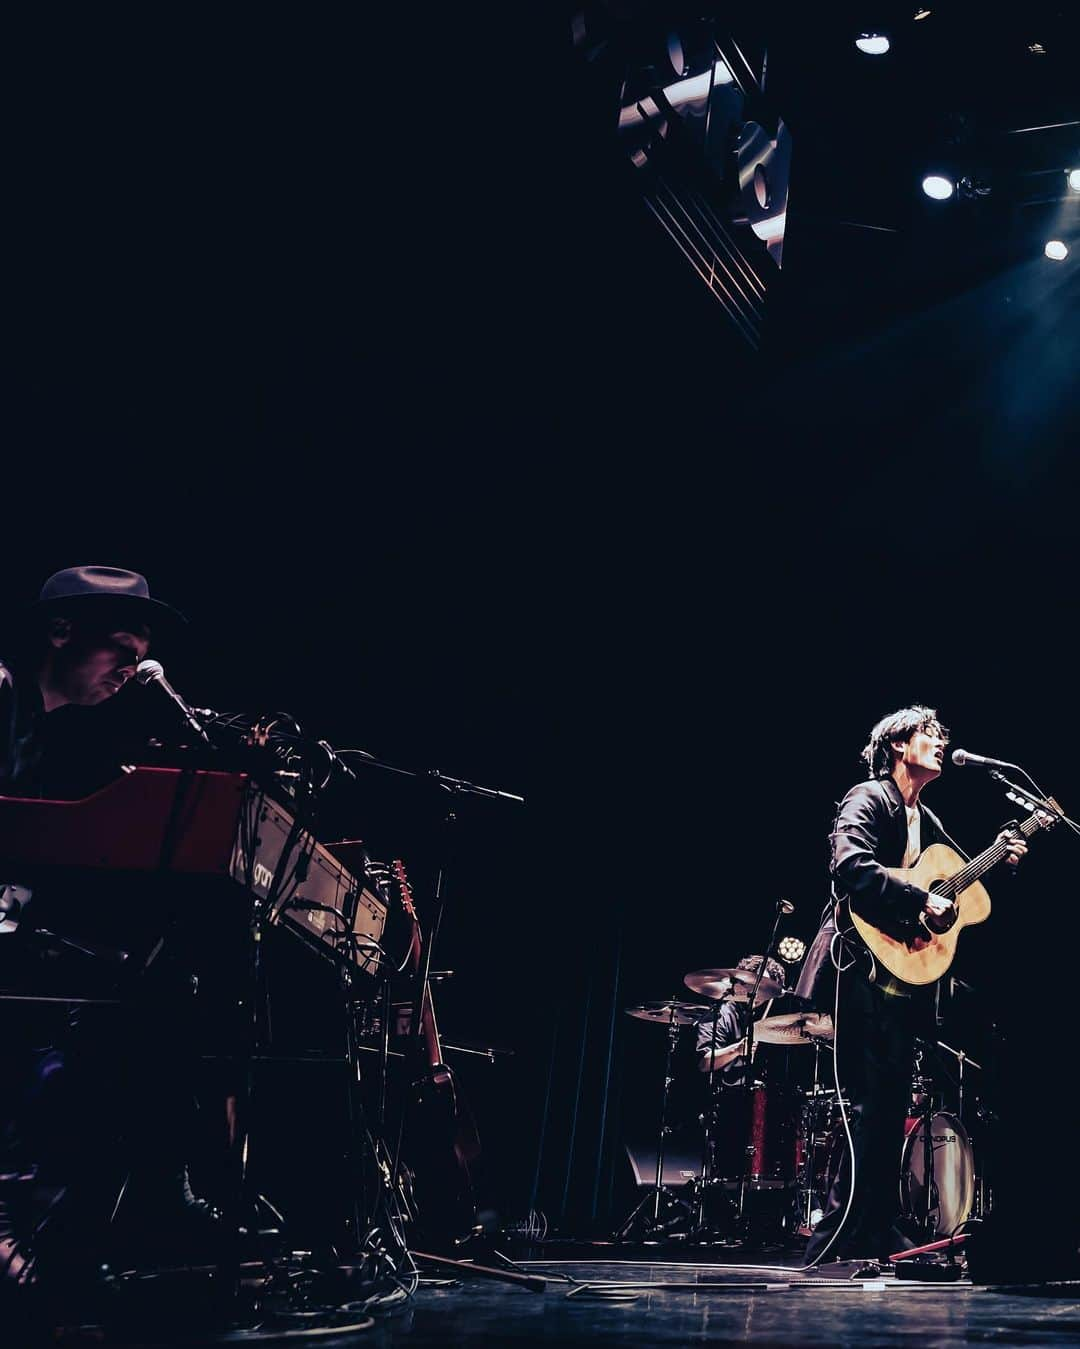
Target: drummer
721 1039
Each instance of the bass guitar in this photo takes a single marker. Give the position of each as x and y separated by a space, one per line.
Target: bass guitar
942 871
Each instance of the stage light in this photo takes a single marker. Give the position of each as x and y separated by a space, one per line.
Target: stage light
695 89
921 13
770 229
677 56
790 949
1056 250
934 185
1074 179
697 86
873 44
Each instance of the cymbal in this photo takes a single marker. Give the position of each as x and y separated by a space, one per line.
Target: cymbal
794 1028
736 985
682 1013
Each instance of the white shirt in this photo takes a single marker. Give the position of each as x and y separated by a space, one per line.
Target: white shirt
914 841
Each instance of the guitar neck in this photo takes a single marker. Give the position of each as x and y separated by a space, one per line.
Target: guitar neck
970 873
428 1024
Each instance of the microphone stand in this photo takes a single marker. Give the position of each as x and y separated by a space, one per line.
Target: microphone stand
709 1119
961 1058
455 788
1030 800
926 1118
457 785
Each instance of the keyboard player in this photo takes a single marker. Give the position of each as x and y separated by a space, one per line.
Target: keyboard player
71 652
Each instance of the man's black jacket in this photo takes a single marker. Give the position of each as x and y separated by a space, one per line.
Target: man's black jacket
870 835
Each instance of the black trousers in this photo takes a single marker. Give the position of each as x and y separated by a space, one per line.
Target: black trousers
874 1046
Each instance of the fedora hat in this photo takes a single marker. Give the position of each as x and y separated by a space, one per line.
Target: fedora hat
83 589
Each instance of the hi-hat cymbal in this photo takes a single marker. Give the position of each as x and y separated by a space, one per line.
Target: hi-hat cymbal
794 1028
735 985
682 1013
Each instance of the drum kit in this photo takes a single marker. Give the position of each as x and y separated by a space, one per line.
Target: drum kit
770 1151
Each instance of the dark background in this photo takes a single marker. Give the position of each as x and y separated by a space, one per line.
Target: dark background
354 337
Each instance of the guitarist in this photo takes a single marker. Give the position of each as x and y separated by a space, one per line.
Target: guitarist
881 823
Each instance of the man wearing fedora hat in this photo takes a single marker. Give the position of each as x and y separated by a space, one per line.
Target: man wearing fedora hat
74 649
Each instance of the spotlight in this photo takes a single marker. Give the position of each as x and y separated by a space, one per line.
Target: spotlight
676 56
873 44
697 86
1074 179
790 949
934 185
1056 250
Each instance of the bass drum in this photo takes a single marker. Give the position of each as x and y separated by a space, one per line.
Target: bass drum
952 1175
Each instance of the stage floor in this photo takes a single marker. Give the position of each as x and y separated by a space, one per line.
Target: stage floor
638 1302
751 1303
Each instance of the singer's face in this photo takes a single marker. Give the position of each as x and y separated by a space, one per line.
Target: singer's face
925 751
91 667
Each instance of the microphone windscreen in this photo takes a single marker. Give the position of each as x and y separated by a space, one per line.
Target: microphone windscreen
146 670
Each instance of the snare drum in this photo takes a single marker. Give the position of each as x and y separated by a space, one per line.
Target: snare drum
953 1173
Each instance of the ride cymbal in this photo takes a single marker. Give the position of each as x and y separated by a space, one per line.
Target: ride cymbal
735 985
682 1013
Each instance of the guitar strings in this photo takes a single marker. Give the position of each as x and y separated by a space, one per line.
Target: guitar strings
975 868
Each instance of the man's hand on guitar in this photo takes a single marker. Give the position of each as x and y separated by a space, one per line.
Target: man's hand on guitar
938 906
1017 847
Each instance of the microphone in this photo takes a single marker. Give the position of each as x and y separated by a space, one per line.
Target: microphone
153 672
785 906
961 757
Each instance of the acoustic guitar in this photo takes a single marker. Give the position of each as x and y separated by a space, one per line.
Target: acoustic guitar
942 871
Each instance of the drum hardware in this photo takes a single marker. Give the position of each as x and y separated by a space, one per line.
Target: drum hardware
935 1209
937 1172
810 1125
961 1059
764 990
646 1213
937 1182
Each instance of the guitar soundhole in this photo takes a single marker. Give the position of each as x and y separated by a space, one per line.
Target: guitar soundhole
940 922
